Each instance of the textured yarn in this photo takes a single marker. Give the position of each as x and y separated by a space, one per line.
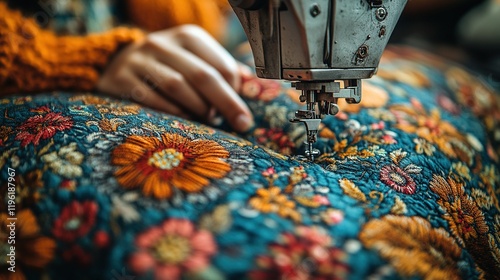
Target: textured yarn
160 14
33 59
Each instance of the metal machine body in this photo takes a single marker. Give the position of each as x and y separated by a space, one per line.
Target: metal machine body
325 47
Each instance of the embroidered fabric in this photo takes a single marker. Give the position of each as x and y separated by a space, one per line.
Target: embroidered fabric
406 187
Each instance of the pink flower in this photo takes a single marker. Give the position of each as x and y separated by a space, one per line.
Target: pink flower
417 104
378 126
75 220
269 172
322 200
171 248
332 216
42 127
397 179
259 89
448 104
389 139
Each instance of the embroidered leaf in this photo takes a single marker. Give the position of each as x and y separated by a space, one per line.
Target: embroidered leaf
122 208
397 156
495 251
46 148
399 207
352 190
218 221
79 110
131 196
307 201
6 155
413 247
413 169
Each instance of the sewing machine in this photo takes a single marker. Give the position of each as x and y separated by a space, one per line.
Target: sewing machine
325 47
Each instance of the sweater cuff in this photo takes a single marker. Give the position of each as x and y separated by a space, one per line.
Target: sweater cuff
34 60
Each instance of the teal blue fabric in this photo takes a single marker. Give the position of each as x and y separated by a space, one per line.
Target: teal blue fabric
406 186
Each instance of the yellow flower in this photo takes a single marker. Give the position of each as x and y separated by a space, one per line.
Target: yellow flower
271 200
158 165
66 161
482 199
110 125
423 147
118 109
489 181
461 170
89 99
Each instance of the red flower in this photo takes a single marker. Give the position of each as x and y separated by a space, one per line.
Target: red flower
307 255
76 220
77 255
101 239
397 179
274 139
42 127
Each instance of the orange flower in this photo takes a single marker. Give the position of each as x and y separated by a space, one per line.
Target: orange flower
89 99
413 247
271 200
465 219
406 73
159 165
5 132
467 223
28 186
431 127
31 249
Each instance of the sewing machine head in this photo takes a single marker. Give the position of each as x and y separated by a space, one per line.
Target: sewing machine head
325 47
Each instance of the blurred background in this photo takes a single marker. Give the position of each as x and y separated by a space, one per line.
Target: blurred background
467 31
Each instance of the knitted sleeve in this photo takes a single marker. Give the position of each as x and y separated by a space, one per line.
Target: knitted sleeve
32 59
155 15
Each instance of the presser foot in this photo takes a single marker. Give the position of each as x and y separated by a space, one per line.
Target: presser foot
310 152
309 119
321 99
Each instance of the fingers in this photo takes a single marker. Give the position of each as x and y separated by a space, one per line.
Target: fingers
202 44
244 73
181 71
140 92
210 84
173 86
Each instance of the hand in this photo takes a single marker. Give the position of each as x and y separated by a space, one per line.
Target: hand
182 71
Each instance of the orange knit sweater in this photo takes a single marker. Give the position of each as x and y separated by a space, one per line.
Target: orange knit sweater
32 59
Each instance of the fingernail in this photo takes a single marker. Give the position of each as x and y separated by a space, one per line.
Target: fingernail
212 113
245 71
244 123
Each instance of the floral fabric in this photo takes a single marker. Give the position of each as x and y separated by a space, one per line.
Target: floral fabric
407 185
